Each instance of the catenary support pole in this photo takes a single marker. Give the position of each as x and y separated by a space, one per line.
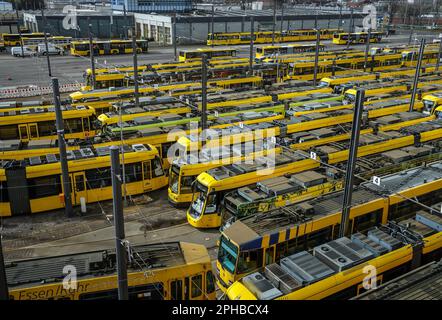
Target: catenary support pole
126 27
315 71
439 56
19 33
135 62
367 49
416 75
274 22
282 16
46 42
121 254
62 147
4 294
213 24
175 55
350 30
252 41
349 174
91 54
203 93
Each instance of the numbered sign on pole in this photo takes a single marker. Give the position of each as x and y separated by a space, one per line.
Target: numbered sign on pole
216 114
376 180
241 125
313 155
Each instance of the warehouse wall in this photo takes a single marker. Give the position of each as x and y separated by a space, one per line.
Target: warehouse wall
101 26
196 32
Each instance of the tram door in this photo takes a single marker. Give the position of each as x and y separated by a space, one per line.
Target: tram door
28 131
176 289
107 48
78 187
147 175
269 255
186 288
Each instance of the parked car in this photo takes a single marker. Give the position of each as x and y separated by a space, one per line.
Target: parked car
27 52
52 49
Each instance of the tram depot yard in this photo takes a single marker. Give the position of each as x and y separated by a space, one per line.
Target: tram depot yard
226 229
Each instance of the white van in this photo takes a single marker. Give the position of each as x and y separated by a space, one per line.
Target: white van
52 49
27 52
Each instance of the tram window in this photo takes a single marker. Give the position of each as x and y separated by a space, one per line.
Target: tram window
335 233
86 124
293 245
367 221
157 168
211 203
133 172
318 237
345 65
359 65
73 125
176 290
249 261
44 186
210 282
4 197
9 132
197 284
47 128
146 169
281 250
163 149
79 183
98 178
186 184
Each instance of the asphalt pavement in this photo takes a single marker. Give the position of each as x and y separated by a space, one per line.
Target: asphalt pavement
16 71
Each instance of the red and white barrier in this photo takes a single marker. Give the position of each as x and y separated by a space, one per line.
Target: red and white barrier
37 91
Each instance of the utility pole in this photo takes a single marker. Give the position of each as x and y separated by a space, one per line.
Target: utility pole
62 147
340 18
126 36
367 49
203 94
4 293
349 174
252 40
411 36
174 37
315 71
416 74
120 122
350 28
46 41
439 56
120 249
277 67
213 24
135 55
111 22
19 32
274 22
282 16
91 54
316 19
